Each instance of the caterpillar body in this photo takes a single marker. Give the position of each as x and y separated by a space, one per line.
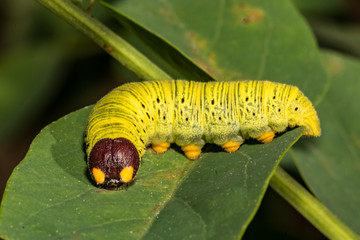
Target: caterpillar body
131 117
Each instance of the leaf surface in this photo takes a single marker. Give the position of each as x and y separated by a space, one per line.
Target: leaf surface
229 40
331 164
50 194
214 197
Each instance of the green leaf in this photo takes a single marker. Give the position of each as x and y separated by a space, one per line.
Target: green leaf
50 194
330 164
230 40
214 197
221 193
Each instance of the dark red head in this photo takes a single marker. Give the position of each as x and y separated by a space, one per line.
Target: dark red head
113 162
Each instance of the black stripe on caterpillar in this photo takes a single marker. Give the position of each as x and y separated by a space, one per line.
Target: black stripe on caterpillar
131 117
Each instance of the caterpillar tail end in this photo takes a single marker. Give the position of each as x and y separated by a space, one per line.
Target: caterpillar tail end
113 162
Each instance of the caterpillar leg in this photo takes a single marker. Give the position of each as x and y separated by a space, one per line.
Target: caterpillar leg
266 137
231 146
192 151
160 147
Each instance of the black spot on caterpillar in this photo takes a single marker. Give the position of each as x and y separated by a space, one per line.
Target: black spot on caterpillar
131 117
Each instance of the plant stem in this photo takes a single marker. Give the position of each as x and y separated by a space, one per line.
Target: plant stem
310 207
106 39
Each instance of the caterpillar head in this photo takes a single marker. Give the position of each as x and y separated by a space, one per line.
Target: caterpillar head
301 112
113 162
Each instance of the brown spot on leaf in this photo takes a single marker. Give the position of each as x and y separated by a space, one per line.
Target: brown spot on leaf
210 65
197 43
356 140
245 13
156 209
204 66
168 15
199 47
334 65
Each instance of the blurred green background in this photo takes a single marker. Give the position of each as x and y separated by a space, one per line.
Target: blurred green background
48 69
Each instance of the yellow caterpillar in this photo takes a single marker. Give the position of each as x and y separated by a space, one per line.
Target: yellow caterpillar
188 113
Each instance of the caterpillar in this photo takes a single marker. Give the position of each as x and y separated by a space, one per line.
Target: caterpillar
131 117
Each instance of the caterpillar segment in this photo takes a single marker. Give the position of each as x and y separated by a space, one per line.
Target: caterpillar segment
157 113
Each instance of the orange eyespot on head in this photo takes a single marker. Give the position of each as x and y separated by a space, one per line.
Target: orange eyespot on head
126 174
113 162
99 176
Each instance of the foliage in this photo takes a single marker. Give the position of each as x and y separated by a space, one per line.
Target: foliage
50 193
